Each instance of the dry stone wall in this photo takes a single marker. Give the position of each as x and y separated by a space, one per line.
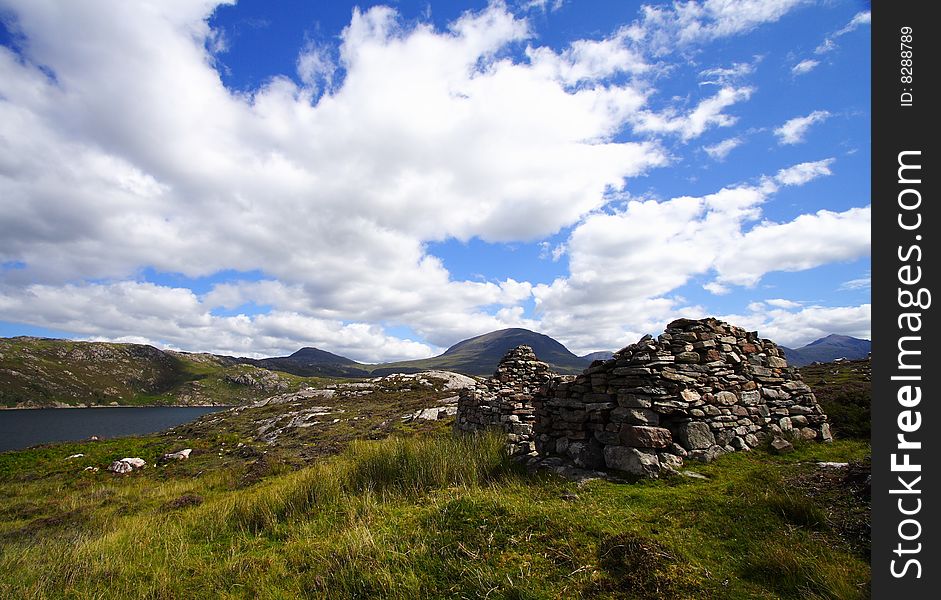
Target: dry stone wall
505 401
701 389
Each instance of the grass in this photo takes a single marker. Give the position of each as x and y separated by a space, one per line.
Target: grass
429 516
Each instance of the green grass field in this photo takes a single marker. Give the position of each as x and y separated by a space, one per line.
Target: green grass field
428 516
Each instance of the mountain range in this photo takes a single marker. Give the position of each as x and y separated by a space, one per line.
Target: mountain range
474 356
827 349
50 372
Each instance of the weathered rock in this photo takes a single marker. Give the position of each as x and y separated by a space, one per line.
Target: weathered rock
632 460
695 435
642 436
779 445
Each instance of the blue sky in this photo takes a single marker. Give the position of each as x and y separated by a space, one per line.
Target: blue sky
384 180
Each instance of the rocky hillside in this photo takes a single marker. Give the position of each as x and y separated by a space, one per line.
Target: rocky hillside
39 372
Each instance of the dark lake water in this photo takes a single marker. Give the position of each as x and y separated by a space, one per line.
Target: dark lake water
24 428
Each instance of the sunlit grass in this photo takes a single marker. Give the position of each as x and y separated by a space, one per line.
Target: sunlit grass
423 517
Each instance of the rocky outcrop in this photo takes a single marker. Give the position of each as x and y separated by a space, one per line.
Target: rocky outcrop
701 389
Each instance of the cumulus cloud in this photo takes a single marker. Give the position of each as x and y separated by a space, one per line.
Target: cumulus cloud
142 158
796 328
626 265
794 130
782 303
175 318
808 241
332 188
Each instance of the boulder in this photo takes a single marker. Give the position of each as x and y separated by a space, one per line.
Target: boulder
642 436
632 460
695 435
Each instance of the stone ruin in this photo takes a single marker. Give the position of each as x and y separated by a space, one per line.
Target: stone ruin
505 401
699 390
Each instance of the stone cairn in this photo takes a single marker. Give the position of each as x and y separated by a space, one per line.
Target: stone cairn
505 401
699 390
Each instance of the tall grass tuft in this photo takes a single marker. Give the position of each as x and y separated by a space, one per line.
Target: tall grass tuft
414 465
393 467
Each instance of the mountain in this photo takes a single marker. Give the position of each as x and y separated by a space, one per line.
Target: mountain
480 355
312 362
601 355
827 349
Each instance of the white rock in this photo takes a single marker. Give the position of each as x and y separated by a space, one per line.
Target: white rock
74 456
120 467
180 455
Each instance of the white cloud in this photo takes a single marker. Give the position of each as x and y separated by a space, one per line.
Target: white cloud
590 60
716 288
860 283
334 188
858 20
804 66
175 318
794 130
804 172
626 265
798 328
708 113
142 158
721 149
829 44
729 75
808 241
666 27
783 303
